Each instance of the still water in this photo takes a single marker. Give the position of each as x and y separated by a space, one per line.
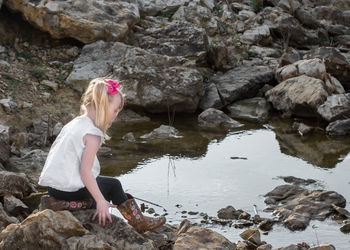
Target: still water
204 171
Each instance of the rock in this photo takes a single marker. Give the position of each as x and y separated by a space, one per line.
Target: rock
197 237
127 115
342 211
289 28
345 228
16 184
291 247
252 235
289 6
243 224
30 164
306 18
14 206
265 247
266 224
8 105
339 127
4 64
302 128
265 52
86 21
184 226
5 148
96 60
297 181
158 83
5 219
213 118
50 84
176 38
289 57
257 35
254 109
129 137
153 7
323 246
337 64
237 84
40 127
245 14
33 200
336 107
300 96
199 16
2 48
163 131
57 129
117 234
104 152
299 205
228 213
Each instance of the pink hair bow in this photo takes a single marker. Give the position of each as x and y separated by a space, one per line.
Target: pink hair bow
112 87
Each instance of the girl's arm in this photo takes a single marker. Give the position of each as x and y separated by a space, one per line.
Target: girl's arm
92 143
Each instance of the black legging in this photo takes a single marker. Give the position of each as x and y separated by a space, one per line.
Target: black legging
111 189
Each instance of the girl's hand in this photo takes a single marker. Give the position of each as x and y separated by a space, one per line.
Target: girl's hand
102 210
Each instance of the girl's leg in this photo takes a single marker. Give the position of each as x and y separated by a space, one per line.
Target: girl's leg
112 189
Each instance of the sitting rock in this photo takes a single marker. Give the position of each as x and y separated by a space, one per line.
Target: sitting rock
64 230
213 118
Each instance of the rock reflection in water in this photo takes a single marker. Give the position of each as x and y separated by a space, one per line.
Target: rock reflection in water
192 143
317 148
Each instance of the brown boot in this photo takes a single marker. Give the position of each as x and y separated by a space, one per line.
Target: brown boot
49 202
132 213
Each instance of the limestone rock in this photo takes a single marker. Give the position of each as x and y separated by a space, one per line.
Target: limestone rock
252 235
299 205
176 38
163 131
339 127
257 35
14 206
336 107
254 109
85 20
197 237
16 184
299 96
5 219
4 143
236 84
323 246
153 7
228 213
213 118
31 164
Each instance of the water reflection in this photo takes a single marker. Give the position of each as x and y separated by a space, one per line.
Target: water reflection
317 148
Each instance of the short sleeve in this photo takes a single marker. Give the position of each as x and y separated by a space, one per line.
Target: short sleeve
95 131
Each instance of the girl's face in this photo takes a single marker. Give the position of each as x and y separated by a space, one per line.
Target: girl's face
113 108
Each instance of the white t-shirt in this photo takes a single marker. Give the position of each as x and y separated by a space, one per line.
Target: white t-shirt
62 166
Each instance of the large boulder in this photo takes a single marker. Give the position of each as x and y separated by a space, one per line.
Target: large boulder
257 35
85 20
176 38
31 164
16 184
236 84
336 107
150 81
5 148
300 96
254 109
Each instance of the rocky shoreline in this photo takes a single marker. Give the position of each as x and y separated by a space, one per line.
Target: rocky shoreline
216 60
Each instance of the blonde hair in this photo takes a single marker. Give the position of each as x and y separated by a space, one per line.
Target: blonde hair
96 95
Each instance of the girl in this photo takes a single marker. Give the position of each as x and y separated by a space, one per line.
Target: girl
71 170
